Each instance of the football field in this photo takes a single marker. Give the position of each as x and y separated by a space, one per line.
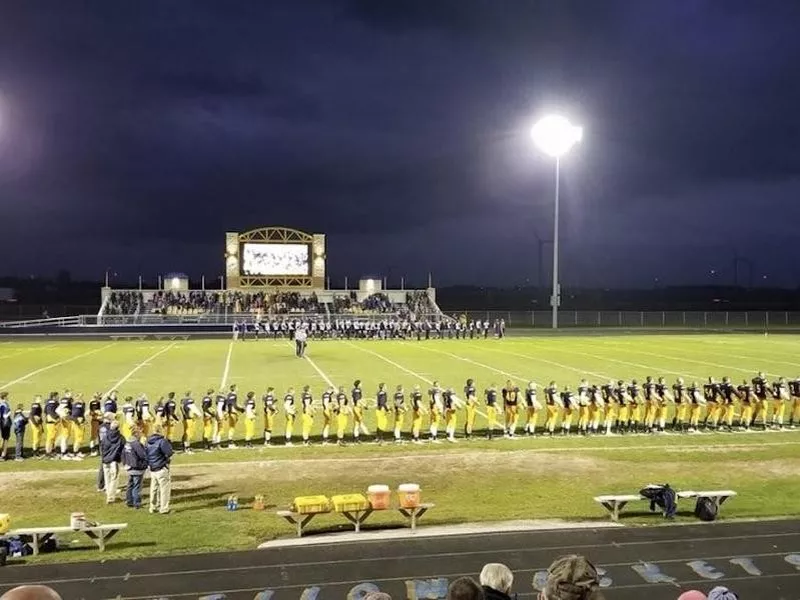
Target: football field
469 481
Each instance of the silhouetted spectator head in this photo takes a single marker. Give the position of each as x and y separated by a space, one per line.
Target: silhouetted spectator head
722 593
572 577
31 592
464 588
496 579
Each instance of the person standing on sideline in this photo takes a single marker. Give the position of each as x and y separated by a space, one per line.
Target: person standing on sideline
19 423
159 452
300 339
111 453
135 460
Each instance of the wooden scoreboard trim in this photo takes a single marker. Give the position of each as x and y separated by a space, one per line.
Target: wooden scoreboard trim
234 279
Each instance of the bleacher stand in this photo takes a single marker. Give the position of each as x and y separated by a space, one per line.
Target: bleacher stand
124 303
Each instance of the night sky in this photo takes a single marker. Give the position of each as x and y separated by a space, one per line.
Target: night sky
134 134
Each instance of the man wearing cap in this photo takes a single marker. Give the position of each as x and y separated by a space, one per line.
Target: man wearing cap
111 444
572 577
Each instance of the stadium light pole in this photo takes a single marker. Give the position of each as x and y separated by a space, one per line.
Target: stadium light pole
555 136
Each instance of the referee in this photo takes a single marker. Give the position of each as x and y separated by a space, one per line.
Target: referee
300 338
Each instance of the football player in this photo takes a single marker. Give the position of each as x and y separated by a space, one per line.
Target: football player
128 418
328 410
77 420
491 410
583 407
471 400
511 408
451 403
780 396
307 414
610 405
64 425
679 395
729 396
749 402
209 418
170 418
762 405
697 401
417 410
711 394
381 411
95 418
435 404
249 419
532 407
37 424
568 402
399 413
552 402
270 410
51 423
794 389
359 426
341 409
290 411
191 414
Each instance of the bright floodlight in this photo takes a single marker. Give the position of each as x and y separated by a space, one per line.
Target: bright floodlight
555 135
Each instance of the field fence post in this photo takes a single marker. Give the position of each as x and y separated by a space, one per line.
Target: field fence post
683 316
705 319
599 319
746 318
766 320
533 318
726 318
576 318
786 315
508 320
663 318
619 317
641 317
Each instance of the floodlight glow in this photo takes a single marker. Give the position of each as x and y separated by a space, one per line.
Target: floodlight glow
555 135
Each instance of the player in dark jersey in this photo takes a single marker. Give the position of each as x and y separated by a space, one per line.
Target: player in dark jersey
696 401
711 394
621 399
728 395
357 397
635 405
511 408
77 420
532 407
569 402
760 390
417 410
250 418
749 403
662 400
582 401
95 418
270 410
780 397
307 414
609 406
51 423
290 411
36 418
191 415
110 403
170 419
471 402
794 390
341 410
232 412
209 418
596 405
679 395
328 411
399 413
491 410
650 404
64 423
552 401
381 412
436 408
450 403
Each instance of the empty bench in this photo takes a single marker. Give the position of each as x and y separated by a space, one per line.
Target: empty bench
37 537
614 503
356 517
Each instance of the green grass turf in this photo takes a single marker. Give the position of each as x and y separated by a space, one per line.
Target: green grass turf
476 481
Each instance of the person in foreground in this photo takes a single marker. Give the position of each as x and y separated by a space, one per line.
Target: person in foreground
496 580
464 588
135 459
572 577
159 454
31 592
111 453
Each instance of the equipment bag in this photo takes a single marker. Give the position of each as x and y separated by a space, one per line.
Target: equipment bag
663 497
706 509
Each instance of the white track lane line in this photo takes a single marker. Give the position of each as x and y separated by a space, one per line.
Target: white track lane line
144 363
57 364
226 371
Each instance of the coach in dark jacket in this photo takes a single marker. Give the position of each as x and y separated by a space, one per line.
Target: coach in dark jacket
134 458
159 453
111 453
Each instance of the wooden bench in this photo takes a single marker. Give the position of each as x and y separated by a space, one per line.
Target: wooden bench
356 517
38 536
614 503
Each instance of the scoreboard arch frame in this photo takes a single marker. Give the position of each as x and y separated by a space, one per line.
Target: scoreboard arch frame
235 279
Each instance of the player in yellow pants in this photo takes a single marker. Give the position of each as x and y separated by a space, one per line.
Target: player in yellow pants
794 390
450 405
595 408
341 409
471 402
290 411
37 424
531 408
357 398
609 406
306 415
748 398
327 413
381 412
491 410
249 419
399 410
780 397
417 411
552 404
697 401
270 410
209 418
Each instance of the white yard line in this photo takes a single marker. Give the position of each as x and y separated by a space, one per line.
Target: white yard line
550 362
144 363
227 369
402 368
476 363
320 371
748 358
686 359
56 364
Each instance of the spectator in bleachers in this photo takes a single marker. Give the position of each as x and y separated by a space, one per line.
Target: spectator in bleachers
124 303
496 580
464 588
572 577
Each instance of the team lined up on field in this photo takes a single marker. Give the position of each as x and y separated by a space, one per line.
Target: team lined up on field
611 408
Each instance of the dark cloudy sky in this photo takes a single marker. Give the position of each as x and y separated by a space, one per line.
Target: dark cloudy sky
134 134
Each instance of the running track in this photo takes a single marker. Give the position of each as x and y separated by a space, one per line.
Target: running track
765 555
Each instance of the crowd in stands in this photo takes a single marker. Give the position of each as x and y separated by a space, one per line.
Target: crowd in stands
570 577
418 303
348 304
124 303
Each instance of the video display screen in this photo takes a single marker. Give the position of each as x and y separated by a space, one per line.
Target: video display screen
275 259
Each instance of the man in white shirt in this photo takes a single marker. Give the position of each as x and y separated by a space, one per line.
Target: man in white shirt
300 338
